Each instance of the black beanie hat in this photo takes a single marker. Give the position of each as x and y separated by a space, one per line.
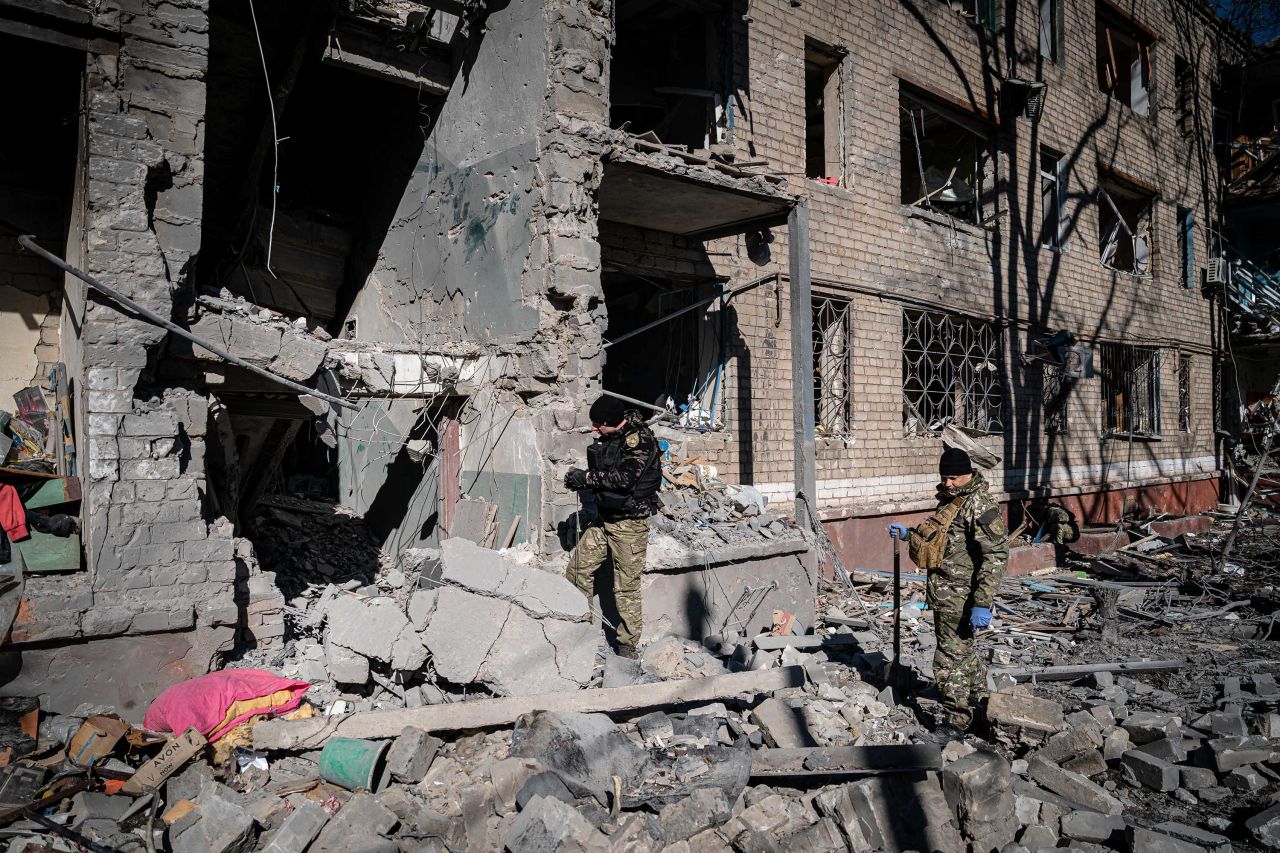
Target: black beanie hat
954 463
607 411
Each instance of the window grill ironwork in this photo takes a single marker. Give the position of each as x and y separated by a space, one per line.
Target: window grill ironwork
1131 389
952 372
831 354
1055 390
1184 393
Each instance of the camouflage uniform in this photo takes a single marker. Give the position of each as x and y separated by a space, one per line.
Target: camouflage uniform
623 473
975 560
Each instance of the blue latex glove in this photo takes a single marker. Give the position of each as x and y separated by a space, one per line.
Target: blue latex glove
898 531
980 617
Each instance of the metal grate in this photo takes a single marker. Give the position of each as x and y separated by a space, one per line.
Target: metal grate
1131 389
831 333
1055 391
952 372
1184 393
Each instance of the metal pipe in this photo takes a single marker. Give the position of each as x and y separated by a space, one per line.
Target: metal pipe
685 310
627 399
28 243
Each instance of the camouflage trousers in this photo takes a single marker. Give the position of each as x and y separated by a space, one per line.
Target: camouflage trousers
627 541
960 674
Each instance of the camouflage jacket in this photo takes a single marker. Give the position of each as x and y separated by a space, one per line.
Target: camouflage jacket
977 542
624 470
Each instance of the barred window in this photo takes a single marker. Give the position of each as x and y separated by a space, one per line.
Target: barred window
1131 390
952 372
831 365
1055 391
1184 393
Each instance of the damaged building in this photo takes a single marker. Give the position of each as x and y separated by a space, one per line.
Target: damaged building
402 246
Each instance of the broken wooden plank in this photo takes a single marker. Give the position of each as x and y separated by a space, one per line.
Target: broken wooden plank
806 641
861 624
1070 673
846 760
489 713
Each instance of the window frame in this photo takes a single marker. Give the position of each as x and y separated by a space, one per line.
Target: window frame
833 131
1109 208
911 156
1051 38
1110 25
1187 246
945 343
1055 240
1184 393
839 310
1122 364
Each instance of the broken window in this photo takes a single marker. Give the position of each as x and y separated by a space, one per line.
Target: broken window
1053 196
666 73
1054 389
1124 60
823 111
1184 392
952 372
948 161
676 365
1187 245
1131 390
1051 29
1125 227
984 13
831 344
1184 86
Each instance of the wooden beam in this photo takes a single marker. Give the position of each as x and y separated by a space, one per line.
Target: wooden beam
846 761
491 713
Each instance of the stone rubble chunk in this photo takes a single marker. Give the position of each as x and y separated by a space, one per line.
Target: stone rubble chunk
369 627
783 726
1265 827
586 750
1073 786
298 830
979 790
411 754
704 809
1171 749
820 837
547 824
408 654
359 824
345 666
1210 841
221 825
1150 771
1150 841
1017 709
1232 752
422 603
1090 826
1038 837
544 784
462 630
1147 726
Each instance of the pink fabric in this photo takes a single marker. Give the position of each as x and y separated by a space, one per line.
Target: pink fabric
203 702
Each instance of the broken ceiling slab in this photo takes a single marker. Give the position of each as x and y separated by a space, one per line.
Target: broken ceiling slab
667 192
359 46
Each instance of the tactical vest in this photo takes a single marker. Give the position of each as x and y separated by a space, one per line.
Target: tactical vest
927 543
639 501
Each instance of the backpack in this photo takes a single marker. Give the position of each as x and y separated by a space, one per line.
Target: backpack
927 543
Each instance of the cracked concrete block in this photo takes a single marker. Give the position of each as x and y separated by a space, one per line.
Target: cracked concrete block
523 661
461 632
299 357
411 755
222 825
408 652
421 605
467 565
369 627
345 666
549 824
298 830
357 826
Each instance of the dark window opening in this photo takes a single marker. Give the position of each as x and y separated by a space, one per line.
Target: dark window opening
823 113
1184 82
1125 226
948 161
1056 390
984 13
1124 60
666 73
1053 197
675 366
1051 30
1187 245
1131 390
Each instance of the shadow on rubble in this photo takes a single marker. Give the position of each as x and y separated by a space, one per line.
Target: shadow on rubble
312 543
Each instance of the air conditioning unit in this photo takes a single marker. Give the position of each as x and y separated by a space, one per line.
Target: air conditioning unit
1218 272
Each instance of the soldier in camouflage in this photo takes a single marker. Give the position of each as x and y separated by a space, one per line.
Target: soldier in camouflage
961 593
623 475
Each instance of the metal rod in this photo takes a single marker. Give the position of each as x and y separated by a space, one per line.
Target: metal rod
897 615
28 243
685 310
627 399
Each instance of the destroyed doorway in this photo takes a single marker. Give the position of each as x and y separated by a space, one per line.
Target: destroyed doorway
677 363
666 75
38 154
